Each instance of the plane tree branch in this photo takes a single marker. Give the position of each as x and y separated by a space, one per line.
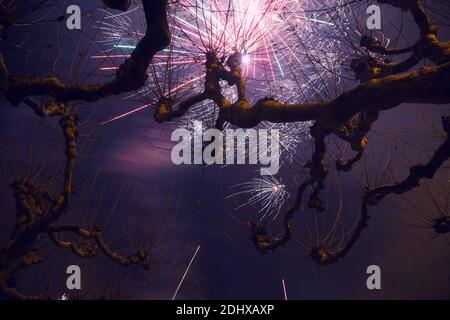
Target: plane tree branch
131 75
88 250
372 197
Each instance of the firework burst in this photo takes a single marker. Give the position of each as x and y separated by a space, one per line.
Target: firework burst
267 193
290 47
290 50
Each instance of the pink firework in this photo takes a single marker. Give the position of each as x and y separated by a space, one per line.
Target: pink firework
290 44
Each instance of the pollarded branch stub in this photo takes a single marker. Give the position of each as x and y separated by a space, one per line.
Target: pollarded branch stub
31 202
347 165
163 109
354 131
54 107
372 44
234 76
140 258
322 256
359 142
69 125
366 68
261 239
86 250
234 63
214 73
32 258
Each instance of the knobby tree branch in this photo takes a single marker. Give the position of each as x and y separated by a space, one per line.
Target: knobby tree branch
36 209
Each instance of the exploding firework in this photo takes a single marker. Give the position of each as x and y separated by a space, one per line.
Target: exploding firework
264 31
290 47
267 193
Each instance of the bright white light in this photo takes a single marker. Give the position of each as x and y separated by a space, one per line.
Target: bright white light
246 59
254 8
266 192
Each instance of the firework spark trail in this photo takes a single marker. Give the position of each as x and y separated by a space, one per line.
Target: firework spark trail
147 105
127 114
185 274
284 289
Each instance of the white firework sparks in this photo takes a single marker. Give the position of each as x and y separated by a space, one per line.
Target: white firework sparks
291 136
267 193
288 44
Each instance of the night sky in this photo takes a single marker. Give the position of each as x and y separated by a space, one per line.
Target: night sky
131 158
